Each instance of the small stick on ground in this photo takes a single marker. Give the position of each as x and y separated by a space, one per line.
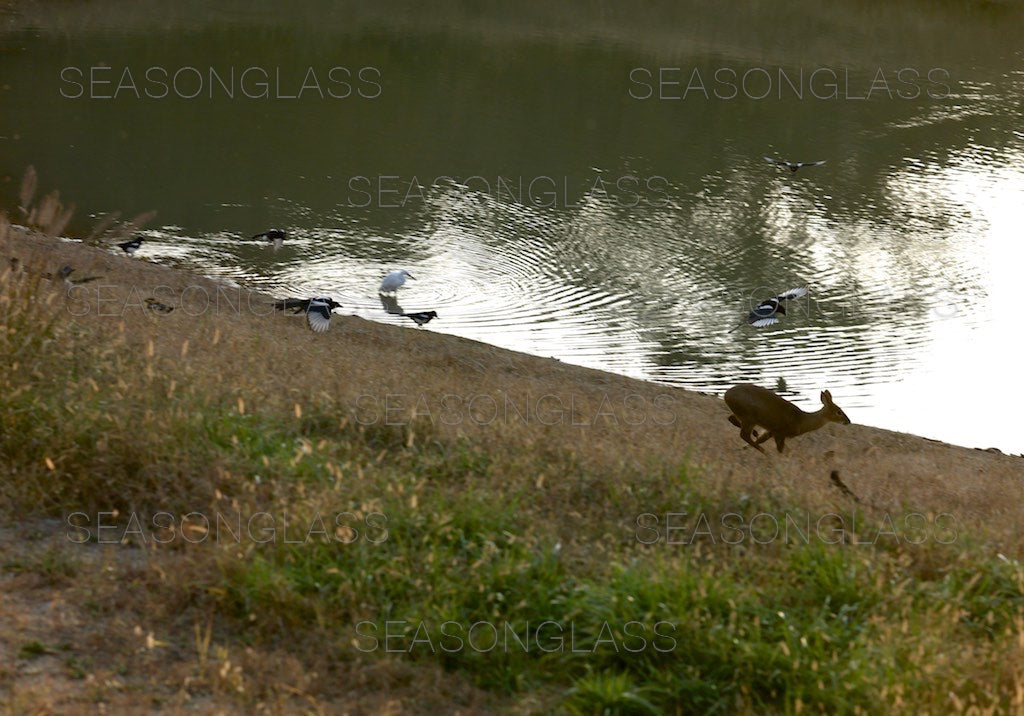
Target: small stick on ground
842 486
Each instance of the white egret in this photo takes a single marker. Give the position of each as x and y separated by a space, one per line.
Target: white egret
394 280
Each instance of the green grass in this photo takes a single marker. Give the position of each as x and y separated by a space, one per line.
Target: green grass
442 532
32 650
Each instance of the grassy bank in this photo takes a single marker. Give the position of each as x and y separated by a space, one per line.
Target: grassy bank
215 509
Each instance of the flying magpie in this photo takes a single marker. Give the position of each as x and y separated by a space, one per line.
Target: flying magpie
318 310
793 166
768 311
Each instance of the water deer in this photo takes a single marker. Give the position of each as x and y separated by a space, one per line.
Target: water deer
753 405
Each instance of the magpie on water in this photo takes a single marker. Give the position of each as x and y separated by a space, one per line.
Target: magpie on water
130 247
793 166
768 311
273 236
318 310
422 317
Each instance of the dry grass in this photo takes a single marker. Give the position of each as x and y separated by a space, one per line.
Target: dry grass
50 217
230 407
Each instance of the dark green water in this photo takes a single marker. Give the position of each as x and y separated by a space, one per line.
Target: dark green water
581 181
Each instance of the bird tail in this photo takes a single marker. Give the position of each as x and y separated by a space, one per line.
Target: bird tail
296 303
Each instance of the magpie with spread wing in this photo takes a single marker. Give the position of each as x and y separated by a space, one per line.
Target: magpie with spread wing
768 311
793 166
318 310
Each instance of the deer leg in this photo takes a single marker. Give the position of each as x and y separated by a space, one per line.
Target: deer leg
736 421
779 440
745 434
766 436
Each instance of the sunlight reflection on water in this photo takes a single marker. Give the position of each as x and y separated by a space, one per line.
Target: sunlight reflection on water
893 310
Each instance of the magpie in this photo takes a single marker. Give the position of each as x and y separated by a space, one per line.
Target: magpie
793 166
768 311
421 317
318 310
273 236
65 275
394 280
130 247
62 274
153 305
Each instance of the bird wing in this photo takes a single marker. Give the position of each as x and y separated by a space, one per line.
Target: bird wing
773 160
766 321
791 293
318 315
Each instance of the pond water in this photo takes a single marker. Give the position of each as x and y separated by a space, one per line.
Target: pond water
577 181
